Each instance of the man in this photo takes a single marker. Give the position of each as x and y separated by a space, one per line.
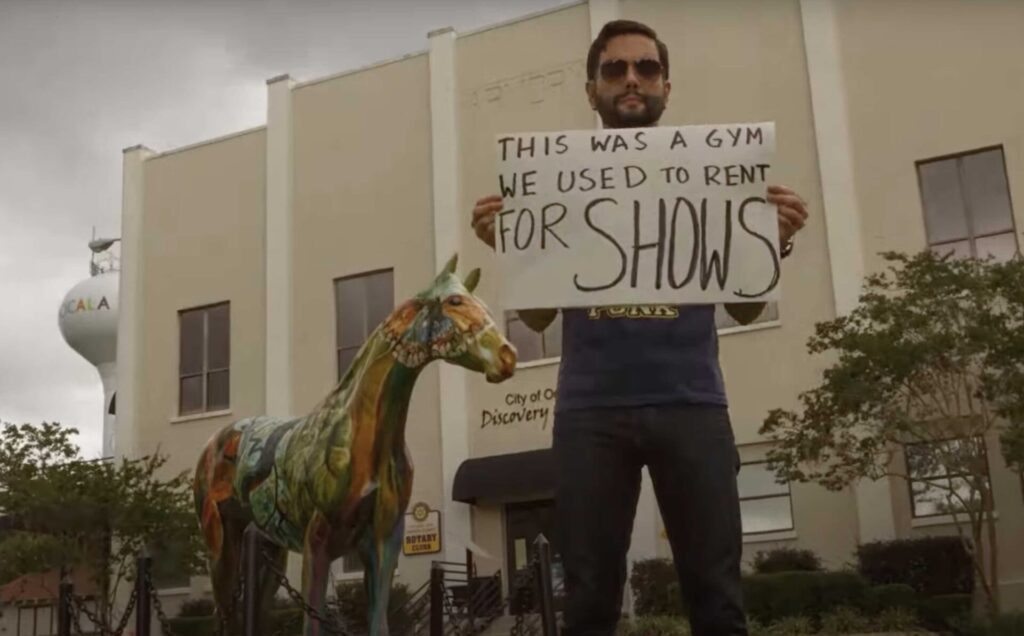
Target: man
644 391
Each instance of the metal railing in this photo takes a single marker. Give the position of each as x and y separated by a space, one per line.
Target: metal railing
462 604
453 602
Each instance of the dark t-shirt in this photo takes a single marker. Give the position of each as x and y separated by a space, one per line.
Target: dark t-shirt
639 355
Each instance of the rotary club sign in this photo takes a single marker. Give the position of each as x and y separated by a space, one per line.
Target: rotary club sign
422 531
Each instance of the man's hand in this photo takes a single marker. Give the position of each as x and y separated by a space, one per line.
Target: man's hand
792 211
484 214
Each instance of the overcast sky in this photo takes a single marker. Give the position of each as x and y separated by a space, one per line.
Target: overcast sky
82 79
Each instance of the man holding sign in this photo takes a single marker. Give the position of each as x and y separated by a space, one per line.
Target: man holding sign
640 384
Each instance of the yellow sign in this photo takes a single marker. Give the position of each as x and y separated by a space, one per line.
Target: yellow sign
422 531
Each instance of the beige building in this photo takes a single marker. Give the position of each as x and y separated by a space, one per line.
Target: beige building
255 263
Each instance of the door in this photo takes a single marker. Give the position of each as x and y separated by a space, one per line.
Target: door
523 523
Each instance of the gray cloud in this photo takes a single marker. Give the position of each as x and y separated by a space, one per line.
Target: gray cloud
83 79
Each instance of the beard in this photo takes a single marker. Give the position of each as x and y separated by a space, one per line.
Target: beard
615 117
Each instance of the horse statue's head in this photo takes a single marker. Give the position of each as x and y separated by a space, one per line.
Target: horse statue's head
447 322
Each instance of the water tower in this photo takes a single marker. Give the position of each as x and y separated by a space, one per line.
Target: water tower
88 322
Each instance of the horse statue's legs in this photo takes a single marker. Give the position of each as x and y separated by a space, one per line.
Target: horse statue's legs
225 569
380 556
316 567
272 556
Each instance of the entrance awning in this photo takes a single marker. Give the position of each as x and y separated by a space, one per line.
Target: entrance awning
505 477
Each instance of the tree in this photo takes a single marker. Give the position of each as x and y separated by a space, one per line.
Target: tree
925 371
95 515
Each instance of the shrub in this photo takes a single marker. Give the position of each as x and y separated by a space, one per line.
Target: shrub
1011 624
845 620
789 626
786 560
352 604
655 588
773 597
193 625
939 613
285 621
896 619
197 607
880 597
930 565
654 626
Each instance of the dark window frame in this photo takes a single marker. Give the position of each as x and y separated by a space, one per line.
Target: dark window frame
769 315
350 561
367 328
206 370
512 316
928 479
788 495
972 237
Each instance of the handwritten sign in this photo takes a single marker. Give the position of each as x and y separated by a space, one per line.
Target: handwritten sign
668 215
422 531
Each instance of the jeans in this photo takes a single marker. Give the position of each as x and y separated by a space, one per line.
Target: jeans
691 455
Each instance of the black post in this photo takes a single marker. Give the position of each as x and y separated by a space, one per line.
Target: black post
142 599
250 592
547 594
64 605
470 589
436 600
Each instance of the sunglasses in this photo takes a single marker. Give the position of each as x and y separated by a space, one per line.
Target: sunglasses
613 70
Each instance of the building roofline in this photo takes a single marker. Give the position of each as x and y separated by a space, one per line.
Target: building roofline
523 18
361 69
207 142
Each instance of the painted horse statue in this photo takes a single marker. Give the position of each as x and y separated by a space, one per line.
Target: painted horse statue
340 477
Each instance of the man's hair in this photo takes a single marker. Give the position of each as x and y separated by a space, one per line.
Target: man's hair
616 28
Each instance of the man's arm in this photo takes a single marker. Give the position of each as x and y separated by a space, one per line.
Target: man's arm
537 319
483 224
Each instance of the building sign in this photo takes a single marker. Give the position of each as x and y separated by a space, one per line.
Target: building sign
666 215
533 408
422 530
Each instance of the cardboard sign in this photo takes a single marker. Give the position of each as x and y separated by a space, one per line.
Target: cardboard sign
665 215
422 531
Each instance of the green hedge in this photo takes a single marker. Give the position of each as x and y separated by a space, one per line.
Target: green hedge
770 597
352 604
930 565
193 625
654 626
1010 624
655 588
282 621
841 620
880 597
786 560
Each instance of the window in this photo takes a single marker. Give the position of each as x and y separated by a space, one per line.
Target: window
967 208
351 563
204 359
723 320
361 303
765 506
531 345
941 472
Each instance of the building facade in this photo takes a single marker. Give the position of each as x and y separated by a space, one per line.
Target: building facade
253 265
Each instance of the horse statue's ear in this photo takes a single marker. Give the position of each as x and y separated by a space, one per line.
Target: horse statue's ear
472 280
449 267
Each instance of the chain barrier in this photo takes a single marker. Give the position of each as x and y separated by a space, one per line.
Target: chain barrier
76 615
161 616
329 623
78 607
236 598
